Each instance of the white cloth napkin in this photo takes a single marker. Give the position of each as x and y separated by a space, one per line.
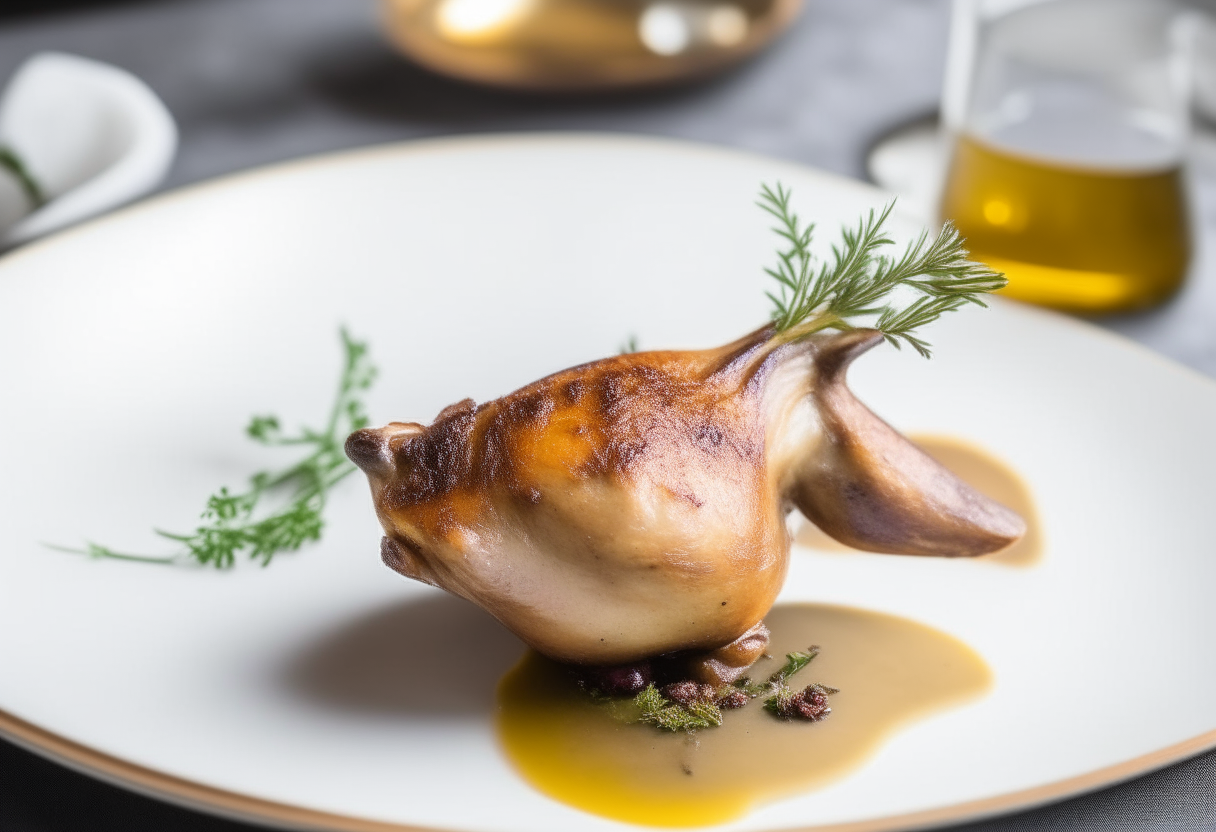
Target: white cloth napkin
77 137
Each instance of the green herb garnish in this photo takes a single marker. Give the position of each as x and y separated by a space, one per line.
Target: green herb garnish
859 282
793 663
784 701
658 711
810 703
702 706
231 527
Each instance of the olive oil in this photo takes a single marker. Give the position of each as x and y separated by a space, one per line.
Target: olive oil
1083 239
889 670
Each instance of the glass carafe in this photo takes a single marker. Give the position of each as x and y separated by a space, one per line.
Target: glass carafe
1067 164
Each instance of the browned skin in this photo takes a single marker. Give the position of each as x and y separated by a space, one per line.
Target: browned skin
635 507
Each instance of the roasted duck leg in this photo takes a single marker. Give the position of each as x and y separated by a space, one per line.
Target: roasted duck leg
634 507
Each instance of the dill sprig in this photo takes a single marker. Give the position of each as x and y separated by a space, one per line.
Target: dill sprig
231 526
858 281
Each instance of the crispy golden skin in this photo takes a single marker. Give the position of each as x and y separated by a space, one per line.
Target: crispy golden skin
635 506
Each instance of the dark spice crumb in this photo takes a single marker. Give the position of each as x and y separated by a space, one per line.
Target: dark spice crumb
734 699
683 692
688 692
811 704
626 680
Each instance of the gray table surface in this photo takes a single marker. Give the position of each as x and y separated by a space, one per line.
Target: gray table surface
257 81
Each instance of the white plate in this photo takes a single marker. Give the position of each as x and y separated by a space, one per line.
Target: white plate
133 350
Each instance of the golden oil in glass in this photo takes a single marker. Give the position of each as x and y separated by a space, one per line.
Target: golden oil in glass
1083 239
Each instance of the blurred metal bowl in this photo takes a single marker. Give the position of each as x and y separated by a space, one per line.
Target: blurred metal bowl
577 45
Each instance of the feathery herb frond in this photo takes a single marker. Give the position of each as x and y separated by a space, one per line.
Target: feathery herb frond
858 280
657 710
231 527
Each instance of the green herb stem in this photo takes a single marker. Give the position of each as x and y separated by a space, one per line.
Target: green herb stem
231 527
858 281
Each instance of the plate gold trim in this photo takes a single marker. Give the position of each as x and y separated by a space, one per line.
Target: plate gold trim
236 806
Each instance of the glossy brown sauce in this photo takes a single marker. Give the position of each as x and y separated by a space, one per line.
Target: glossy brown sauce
981 471
889 670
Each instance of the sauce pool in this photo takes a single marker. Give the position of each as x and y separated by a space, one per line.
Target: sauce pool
890 671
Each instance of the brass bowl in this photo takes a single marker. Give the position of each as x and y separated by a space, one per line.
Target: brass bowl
577 45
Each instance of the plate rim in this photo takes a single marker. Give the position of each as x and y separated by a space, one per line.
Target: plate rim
426 144
508 138
247 808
